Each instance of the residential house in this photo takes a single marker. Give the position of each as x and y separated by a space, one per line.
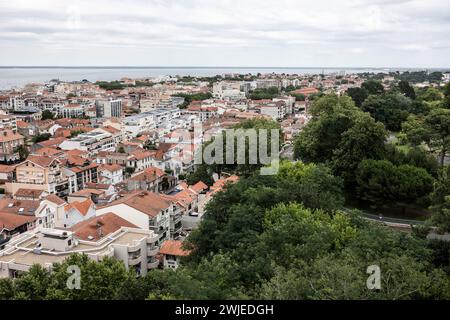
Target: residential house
172 252
9 142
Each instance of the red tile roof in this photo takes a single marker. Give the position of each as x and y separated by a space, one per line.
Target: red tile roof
174 248
95 228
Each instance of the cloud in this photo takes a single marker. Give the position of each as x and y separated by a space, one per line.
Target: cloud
224 32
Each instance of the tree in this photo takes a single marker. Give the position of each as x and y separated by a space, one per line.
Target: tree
121 149
364 140
130 170
41 137
103 280
415 156
47 114
440 201
234 160
264 93
358 95
373 87
431 94
23 151
188 98
391 109
235 215
332 117
380 182
406 89
446 101
433 130
201 174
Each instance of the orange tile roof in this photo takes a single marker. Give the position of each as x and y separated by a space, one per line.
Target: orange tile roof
81 206
174 248
150 174
28 193
43 161
11 221
108 223
46 151
55 199
6 168
148 203
7 135
199 187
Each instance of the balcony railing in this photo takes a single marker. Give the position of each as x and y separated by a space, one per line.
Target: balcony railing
152 263
134 260
152 250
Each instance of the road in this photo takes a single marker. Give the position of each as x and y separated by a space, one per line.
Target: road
388 220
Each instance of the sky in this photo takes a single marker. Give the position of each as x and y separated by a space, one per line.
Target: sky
246 33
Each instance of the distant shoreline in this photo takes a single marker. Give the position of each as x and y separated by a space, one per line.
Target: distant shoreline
222 67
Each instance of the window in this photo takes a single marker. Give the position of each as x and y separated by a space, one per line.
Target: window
69 242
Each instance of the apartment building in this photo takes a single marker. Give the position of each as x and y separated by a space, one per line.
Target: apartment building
72 110
139 123
8 121
40 173
146 210
110 173
9 142
92 142
108 108
98 238
172 251
149 180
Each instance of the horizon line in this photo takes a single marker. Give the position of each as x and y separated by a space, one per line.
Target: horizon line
202 67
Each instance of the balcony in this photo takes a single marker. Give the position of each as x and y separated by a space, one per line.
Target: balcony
134 260
152 251
134 247
152 263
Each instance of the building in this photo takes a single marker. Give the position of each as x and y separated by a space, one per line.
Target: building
108 108
92 142
134 247
9 142
146 210
172 252
8 122
110 173
151 179
40 173
74 213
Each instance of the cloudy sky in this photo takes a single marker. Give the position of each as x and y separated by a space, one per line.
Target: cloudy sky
290 33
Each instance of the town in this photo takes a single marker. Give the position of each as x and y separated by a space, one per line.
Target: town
98 168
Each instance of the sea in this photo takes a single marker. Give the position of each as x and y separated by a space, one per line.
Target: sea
16 77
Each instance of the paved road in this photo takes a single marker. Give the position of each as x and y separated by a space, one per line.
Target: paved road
374 217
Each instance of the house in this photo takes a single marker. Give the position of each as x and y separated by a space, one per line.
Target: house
172 252
30 194
147 210
95 228
99 193
50 209
40 173
150 180
9 142
12 224
76 212
110 173
92 142
6 173
134 247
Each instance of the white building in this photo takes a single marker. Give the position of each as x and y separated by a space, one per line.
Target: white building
93 142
